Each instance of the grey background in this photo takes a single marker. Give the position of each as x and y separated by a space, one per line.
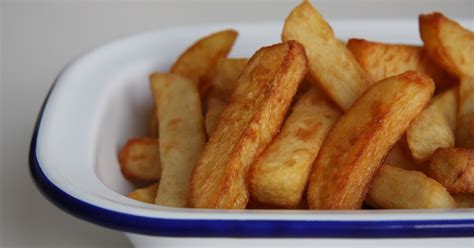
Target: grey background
37 38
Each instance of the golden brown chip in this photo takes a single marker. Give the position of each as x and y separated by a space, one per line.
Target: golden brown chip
331 65
453 168
464 200
280 174
435 126
395 188
198 62
383 60
448 44
182 135
146 194
140 160
465 128
253 116
353 150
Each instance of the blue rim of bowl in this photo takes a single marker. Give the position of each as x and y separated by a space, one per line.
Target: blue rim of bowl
234 228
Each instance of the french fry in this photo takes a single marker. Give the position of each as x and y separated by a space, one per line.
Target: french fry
353 150
181 135
146 194
452 47
396 188
435 126
400 156
464 200
383 60
198 62
331 65
448 44
280 174
139 160
249 122
153 124
453 168
465 128
215 106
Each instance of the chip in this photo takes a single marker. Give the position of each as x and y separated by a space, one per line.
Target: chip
354 149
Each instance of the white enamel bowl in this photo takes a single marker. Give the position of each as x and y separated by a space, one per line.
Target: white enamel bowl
102 99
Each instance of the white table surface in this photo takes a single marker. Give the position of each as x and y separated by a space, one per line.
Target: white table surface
39 37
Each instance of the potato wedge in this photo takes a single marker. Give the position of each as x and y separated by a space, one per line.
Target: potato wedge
464 200
153 124
280 174
435 126
465 128
400 156
448 44
139 160
396 188
182 135
353 150
331 65
199 61
146 194
215 106
383 60
453 168
249 122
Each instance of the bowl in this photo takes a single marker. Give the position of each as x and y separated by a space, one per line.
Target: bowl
102 98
